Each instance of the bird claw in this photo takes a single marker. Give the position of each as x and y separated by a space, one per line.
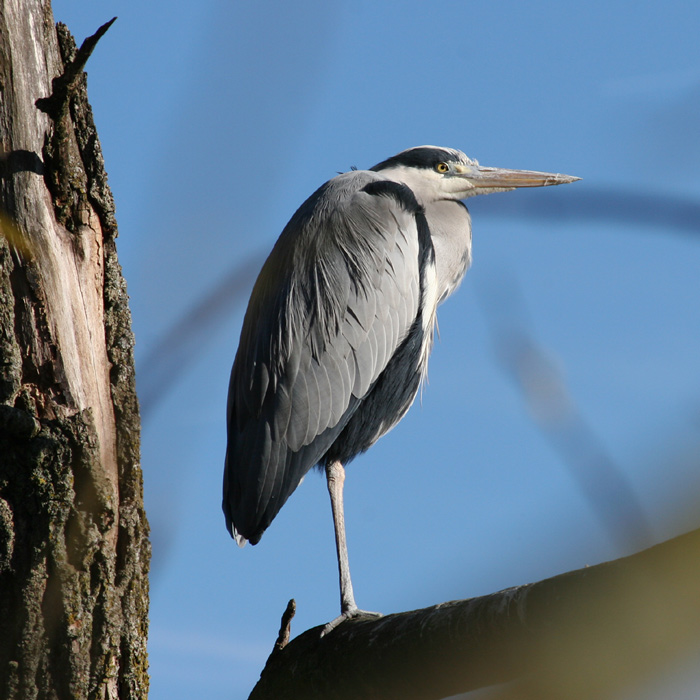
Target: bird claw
348 614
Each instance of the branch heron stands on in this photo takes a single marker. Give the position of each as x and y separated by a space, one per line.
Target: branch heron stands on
340 324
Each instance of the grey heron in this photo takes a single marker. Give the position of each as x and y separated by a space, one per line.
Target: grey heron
339 326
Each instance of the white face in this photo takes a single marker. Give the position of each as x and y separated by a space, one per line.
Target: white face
448 179
432 185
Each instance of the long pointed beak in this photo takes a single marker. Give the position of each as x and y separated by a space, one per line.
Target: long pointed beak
482 178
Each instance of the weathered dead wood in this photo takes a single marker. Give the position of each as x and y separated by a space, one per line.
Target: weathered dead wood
74 552
583 634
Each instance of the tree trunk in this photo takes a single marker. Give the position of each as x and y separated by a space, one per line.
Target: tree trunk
74 552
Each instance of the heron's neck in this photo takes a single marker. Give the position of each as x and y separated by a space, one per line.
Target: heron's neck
451 233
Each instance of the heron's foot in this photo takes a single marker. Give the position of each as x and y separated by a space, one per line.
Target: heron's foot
346 615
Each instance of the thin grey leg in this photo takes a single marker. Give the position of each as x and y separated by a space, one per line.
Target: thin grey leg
335 476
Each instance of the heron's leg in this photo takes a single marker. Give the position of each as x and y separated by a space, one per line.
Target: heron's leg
335 476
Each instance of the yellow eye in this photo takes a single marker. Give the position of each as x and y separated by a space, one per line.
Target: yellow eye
442 167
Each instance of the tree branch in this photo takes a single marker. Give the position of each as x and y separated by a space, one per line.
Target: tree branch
63 85
578 635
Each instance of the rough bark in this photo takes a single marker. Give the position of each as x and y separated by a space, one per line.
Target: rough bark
583 634
74 550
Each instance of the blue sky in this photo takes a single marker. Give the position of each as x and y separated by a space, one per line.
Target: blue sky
217 119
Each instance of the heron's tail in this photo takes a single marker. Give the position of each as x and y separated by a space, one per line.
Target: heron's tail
240 540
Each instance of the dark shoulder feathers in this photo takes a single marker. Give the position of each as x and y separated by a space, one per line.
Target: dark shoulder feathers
397 190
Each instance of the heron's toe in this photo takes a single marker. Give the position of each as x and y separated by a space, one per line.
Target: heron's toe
347 615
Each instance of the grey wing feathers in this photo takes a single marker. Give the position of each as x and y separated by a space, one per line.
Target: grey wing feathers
334 300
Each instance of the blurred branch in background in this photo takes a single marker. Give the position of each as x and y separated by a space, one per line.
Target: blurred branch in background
543 387
653 210
170 357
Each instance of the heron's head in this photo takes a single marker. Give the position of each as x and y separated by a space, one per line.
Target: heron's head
435 173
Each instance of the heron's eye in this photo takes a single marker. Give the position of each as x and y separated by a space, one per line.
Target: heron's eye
442 167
